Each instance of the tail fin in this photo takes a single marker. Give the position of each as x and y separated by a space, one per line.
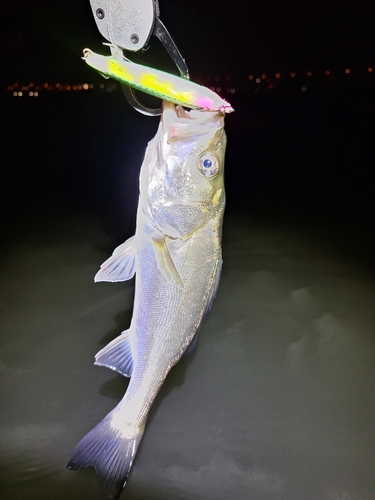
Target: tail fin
110 452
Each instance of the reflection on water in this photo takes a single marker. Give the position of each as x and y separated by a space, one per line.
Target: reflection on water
277 402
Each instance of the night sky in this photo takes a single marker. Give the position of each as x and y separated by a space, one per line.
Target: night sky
45 39
305 147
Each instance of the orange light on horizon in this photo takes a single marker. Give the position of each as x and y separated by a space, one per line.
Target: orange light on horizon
309 73
264 76
292 74
328 72
277 75
251 77
85 86
369 69
347 71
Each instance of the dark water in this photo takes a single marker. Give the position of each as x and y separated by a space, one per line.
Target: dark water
278 401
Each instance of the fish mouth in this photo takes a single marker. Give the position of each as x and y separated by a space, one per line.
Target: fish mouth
179 123
191 114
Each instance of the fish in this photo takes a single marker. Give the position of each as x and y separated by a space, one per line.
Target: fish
176 257
155 82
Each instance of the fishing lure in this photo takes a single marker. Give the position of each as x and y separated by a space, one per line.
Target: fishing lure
156 82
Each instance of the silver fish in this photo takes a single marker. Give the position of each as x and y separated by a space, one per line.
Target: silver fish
176 256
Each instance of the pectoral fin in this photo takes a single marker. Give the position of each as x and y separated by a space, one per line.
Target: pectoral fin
165 262
121 265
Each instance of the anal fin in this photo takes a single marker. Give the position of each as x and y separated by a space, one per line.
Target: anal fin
117 355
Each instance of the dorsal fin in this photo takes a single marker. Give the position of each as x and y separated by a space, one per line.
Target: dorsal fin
214 288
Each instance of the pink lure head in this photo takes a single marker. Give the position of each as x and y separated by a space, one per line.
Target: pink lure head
205 103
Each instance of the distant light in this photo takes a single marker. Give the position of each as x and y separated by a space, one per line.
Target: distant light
15 94
67 87
57 85
277 75
74 87
101 86
85 86
292 74
218 89
328 72
258 80
31 94
264 76
347 71
232 90
270 86
36 94
20 94
45 85
304 88
369 69
91 85
251 77
31 85
10 87
15 84
309 73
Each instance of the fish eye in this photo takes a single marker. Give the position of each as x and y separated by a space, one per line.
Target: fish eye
208 164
